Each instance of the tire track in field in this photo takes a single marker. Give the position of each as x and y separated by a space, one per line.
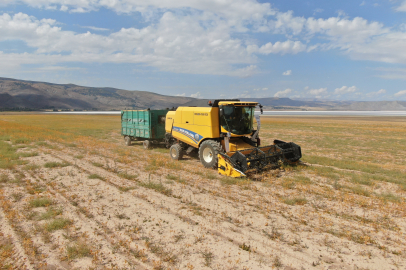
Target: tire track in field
90 227
251 235
21 259
281 248
312 246
75 190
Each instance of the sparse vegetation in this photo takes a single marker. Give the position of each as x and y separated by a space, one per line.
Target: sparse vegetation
57 224
208 257
4 178
294 201
40 202
277 262
51 213
159 187
349 191
245 247
78 250
54 164
97 164
6 251
31 167
95 176
17 196
127 176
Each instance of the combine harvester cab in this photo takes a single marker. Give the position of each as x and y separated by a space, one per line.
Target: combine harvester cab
226 138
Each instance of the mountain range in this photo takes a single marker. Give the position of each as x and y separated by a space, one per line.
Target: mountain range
18 94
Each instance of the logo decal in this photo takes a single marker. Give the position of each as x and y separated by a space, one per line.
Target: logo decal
190 134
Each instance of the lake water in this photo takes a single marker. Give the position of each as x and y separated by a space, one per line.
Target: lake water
281 113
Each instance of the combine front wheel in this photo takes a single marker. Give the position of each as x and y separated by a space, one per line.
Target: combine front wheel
208 153
176 152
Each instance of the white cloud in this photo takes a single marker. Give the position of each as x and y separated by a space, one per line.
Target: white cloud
196 95
363 3
317 92
345 90
377 93
392 73
245 72
287 73
382 91
283 93
95 28
341 13
387 48
402 7
245 94
56 68
288 46
236 10
318 10
400 93
181 95
177 44
359 38
285 22
197 36
260 89
345 32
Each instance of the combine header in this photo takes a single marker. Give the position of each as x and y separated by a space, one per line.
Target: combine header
224 135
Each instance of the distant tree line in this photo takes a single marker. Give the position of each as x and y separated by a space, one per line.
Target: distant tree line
25 109
17 109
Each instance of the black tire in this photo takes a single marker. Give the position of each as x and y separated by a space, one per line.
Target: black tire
127 140
208 152
146 144
176 152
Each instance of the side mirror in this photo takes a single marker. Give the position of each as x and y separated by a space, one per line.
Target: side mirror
260 108
221 112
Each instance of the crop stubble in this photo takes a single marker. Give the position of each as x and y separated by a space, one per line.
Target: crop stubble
343 207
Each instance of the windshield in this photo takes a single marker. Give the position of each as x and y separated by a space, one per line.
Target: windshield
237 120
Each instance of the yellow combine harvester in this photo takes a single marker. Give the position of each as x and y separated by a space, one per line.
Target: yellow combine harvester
224 134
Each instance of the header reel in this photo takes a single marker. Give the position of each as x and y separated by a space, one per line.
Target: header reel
238 163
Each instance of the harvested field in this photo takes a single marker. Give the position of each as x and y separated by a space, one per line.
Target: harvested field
73 196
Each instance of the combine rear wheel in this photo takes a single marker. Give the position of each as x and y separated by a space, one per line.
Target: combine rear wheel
208 152
176 152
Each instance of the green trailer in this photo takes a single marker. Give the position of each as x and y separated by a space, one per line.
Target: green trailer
147 125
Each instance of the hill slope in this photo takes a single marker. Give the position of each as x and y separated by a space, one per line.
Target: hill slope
40 95
376 106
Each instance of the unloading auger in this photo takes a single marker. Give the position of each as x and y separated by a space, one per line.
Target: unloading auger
224 135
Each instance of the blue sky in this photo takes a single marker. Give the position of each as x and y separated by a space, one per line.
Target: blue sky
336 50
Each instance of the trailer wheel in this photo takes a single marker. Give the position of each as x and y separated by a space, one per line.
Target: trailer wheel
176 152
127 140
208 152
146 144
